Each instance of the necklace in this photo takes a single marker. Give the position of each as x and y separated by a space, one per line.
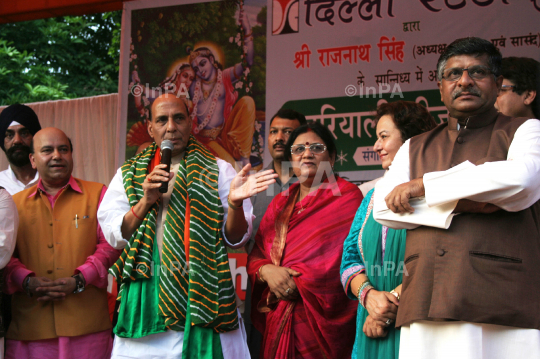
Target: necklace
206 93
209 82
212 106
300 202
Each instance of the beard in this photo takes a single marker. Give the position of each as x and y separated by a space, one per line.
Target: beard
21 158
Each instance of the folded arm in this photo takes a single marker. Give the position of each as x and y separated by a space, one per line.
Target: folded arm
511 185
421 213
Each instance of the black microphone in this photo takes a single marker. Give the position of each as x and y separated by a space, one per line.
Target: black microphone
166 152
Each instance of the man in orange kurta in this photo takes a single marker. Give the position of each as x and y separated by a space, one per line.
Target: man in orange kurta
58 275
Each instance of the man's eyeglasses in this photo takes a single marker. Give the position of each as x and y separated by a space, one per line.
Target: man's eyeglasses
505 88
316 148
477 72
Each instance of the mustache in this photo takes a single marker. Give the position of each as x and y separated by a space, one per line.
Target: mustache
471 91
279 143
18 159
14 148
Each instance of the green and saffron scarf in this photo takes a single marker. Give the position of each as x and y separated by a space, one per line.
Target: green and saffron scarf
198 286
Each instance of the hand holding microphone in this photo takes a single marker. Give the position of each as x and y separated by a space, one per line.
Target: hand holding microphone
166 152
156 182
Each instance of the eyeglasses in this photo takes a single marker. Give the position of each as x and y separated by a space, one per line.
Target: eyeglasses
316 148
477 72
505 88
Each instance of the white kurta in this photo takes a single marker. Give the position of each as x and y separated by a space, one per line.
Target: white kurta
9 224
169 344
9 181
462 340
513 185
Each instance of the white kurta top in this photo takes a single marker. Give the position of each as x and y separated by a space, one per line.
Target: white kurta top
9 224
115 205
513 185
169 344
9 181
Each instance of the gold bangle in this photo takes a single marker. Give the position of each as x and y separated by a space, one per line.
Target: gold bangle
260 276
233 206
360 287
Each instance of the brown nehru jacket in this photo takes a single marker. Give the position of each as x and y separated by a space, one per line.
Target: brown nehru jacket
50 244
486 267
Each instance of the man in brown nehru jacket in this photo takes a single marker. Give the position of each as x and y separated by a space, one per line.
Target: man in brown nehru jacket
58 274
468 191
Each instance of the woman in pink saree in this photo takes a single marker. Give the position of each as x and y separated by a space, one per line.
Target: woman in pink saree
298 302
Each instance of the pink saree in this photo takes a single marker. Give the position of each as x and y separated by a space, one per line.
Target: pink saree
321 322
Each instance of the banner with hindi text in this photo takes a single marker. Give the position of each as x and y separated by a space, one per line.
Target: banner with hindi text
335 60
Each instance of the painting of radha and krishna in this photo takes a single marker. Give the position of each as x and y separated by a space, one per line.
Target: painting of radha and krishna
213 54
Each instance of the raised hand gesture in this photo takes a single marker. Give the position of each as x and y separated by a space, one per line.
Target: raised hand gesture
245 185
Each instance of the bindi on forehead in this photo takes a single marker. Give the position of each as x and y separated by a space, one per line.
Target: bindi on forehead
308 135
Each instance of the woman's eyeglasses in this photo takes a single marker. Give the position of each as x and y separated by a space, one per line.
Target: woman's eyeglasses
316 148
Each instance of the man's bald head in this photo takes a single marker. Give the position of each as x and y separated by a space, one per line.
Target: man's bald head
52 156
168 97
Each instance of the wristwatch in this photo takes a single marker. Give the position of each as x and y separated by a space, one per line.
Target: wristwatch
26 282
79 283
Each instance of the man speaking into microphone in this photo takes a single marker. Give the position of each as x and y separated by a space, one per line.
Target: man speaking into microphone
166 153
176 297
